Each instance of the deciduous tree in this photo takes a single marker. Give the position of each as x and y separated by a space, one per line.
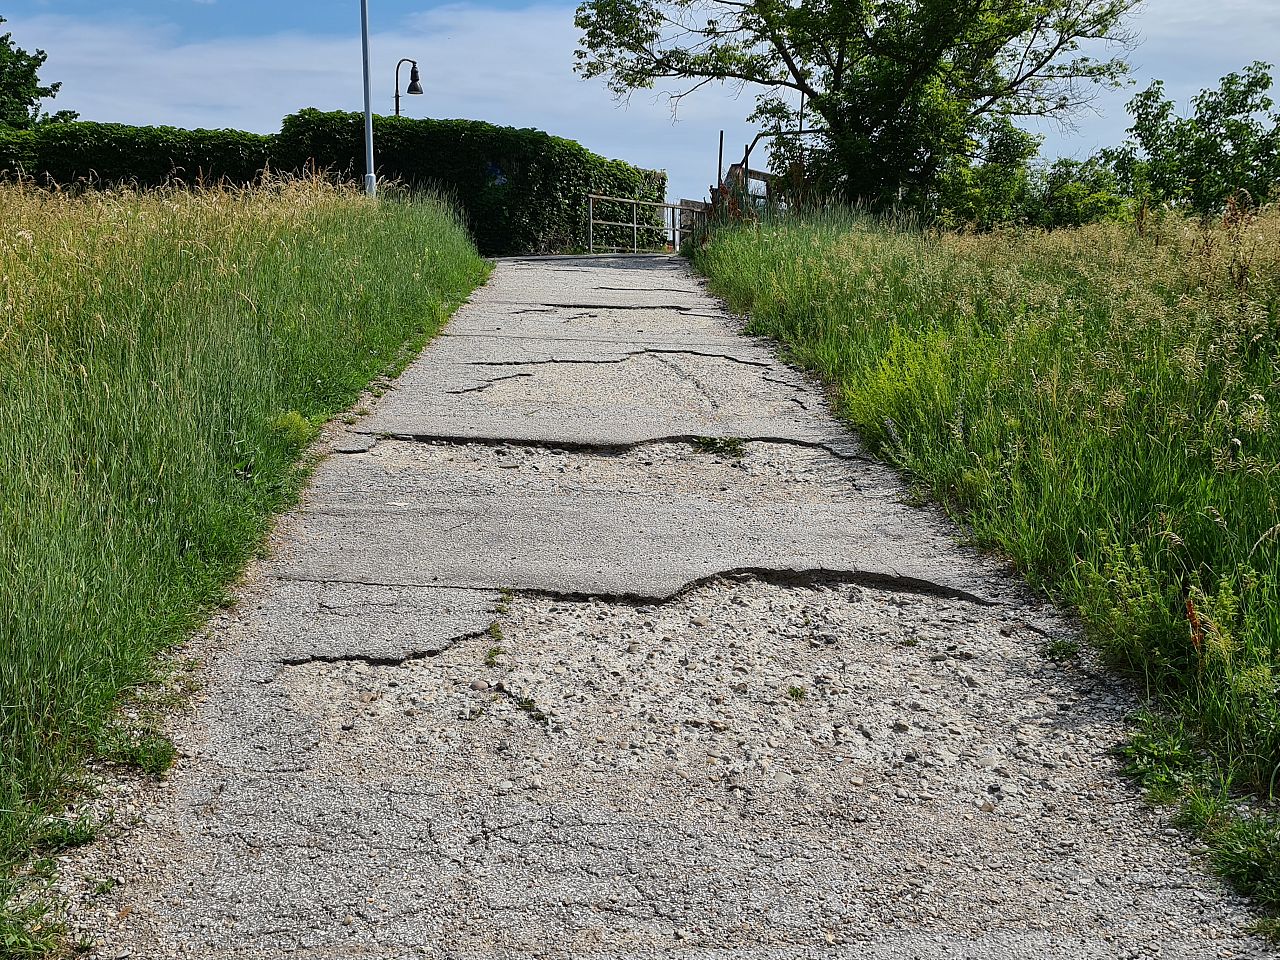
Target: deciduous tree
20 87
900 87
1227 149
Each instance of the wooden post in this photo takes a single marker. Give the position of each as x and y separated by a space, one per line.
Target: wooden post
591 224
635 227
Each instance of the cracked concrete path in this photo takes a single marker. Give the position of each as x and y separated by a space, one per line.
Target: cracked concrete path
597 637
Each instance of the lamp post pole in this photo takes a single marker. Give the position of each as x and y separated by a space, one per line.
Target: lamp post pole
370 178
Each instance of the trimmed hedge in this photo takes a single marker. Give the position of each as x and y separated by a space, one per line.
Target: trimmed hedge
67 153
522 191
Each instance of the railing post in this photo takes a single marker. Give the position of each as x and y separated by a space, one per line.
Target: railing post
635 227
591 224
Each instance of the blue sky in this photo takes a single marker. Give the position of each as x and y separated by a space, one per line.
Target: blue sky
246 63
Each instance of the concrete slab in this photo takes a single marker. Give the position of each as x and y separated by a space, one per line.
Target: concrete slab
644 523
643 354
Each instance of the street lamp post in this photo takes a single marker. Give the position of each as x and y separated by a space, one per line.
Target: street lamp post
370 178
415 81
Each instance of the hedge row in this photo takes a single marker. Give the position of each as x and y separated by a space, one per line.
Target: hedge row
67 153
523 191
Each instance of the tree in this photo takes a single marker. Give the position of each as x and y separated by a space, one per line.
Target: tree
1071 193
988 191
20 89
1228 150
901 87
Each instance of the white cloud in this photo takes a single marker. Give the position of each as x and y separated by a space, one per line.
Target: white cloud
514 66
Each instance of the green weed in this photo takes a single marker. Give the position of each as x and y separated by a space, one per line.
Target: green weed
721 446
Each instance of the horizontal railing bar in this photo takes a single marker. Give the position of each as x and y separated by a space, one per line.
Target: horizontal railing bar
642 226
645 203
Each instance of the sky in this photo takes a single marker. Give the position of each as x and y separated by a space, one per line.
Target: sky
247 63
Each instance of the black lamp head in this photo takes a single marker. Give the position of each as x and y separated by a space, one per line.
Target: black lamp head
415 81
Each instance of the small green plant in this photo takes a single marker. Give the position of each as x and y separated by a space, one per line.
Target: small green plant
495 631
104 886
492 654
798 694
721 446
1061 648
145 750
294 428
533 710
58 834
28 928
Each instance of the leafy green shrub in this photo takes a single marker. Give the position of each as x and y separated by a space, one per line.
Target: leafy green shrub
67 153
522 190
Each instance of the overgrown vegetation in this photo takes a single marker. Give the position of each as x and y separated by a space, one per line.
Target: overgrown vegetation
520 191
165 358
1099 405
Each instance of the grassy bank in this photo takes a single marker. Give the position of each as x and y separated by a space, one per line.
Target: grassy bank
164 360
1102 408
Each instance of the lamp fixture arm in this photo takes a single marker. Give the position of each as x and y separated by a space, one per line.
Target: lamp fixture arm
403 61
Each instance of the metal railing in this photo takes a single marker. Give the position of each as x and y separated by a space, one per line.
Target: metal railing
677 219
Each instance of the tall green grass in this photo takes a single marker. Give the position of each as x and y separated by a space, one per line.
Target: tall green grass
165 357
1100 406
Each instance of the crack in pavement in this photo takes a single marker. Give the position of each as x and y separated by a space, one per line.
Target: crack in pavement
618 446
552 307
623 359
698 384
376 660
786 576
642 289
487 384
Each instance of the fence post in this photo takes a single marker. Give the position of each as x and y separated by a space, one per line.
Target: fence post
635 227
591 224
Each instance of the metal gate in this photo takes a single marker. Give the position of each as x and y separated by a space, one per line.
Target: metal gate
658 233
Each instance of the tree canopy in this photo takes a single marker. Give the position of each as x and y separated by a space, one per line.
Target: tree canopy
20 87
901 89
1227 150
